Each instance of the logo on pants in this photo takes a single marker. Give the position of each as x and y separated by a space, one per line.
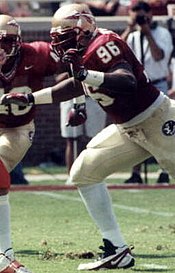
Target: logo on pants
31 135
168 129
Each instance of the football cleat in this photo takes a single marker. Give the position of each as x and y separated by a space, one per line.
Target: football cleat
163 178
8 266
16 267
112 258
135 178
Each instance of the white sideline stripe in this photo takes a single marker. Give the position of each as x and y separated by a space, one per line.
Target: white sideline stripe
78 199
146 211
154 266
56 196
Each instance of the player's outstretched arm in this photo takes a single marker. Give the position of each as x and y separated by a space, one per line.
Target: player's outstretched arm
64 90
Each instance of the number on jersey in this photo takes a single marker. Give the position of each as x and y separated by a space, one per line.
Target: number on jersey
108 51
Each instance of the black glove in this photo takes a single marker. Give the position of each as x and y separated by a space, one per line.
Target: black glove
17 98
77 115
72 57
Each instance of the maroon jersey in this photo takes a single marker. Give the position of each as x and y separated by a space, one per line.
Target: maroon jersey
105 52
35 61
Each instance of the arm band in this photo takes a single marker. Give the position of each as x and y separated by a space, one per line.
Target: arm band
94 78
79 100
43 96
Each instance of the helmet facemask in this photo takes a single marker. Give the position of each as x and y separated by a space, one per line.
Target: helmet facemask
10 43
63 40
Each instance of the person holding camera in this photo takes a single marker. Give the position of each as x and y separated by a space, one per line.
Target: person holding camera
152 45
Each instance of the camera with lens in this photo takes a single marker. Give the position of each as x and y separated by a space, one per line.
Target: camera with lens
141 19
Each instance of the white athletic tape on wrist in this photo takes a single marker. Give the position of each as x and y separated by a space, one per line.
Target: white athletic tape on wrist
44 96
94 78
79 100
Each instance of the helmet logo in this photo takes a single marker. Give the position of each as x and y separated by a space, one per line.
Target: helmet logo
2 33
77 15
12 23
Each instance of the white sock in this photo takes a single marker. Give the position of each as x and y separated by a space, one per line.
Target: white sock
5 240
98 203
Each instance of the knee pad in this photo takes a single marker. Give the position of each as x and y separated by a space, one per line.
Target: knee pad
82 171
4 179
77 173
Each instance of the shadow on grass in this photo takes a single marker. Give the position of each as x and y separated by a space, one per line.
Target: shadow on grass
27 252
48 254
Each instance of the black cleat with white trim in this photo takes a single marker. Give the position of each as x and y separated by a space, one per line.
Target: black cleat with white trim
112 258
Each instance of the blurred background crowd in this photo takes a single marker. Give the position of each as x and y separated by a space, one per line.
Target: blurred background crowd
99 8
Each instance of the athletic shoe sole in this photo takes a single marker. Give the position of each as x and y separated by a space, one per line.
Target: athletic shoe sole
110 262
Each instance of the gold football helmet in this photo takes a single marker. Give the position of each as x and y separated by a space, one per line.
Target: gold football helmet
10 35
73 26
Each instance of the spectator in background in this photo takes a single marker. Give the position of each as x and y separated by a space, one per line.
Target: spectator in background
171 91
103 7
121 7
159 7
152 45
28 8
54 6
171 27
80 120
96 121
4 7
17 176
21 9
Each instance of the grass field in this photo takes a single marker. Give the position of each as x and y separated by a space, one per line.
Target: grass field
52 232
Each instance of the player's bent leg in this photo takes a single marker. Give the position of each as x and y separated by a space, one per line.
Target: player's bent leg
105 154
108 152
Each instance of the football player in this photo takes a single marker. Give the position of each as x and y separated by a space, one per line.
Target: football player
22 68
106 69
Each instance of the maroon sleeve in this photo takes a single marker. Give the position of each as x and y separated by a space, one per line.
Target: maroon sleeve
46 62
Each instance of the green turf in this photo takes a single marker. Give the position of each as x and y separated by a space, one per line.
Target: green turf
45 170
52 233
